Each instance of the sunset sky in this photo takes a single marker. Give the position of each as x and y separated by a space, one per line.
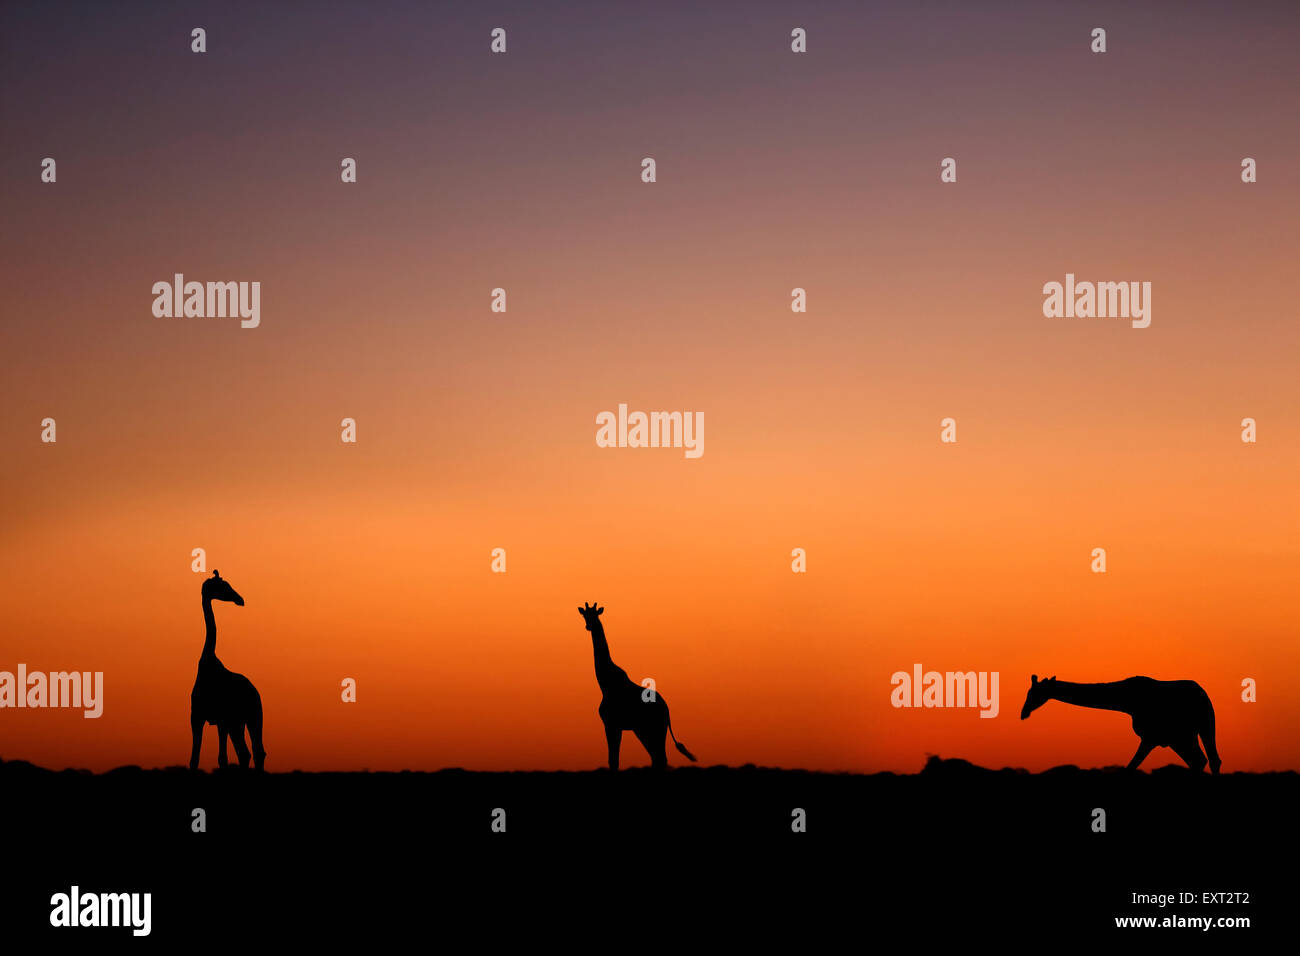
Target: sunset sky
476 430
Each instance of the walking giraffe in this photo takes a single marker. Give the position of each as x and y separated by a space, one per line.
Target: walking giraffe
1166 713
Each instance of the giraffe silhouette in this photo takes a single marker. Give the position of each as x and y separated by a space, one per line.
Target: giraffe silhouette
1166 713
223 697
628 706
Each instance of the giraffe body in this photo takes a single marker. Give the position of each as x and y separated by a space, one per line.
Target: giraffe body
626 705
1166 713
222 697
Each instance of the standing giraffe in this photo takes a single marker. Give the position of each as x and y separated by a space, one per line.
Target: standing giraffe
622 706
223 697
1166 713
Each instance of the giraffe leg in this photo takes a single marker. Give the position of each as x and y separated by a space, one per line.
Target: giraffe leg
255 736
196 728
222 731
655 739
1144 748
653 732
614 738
1190 751
241 748
1207 737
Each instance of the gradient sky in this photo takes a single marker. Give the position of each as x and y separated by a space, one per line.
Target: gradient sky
476 430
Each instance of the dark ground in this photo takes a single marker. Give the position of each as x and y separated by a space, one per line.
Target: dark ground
953 853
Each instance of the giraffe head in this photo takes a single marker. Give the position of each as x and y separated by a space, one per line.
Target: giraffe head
1039 694
590 613
216 588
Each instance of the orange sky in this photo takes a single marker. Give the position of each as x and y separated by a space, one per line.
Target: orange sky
476 430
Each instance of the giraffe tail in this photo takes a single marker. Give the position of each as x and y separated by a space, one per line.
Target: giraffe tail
680 749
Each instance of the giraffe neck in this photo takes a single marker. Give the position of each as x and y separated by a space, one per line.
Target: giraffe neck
210 635
600 650
1100 696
